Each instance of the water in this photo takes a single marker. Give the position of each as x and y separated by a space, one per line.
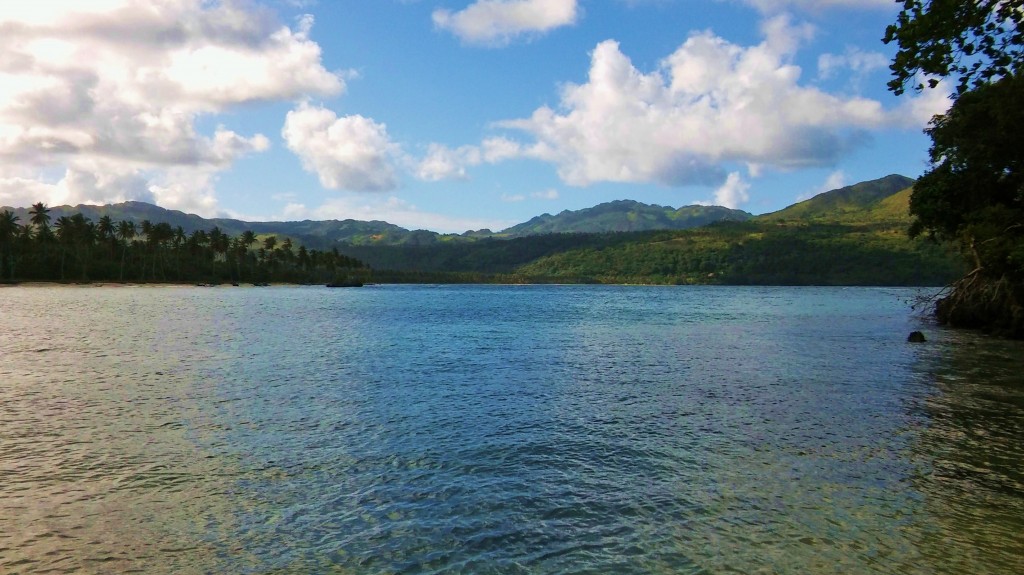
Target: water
500 429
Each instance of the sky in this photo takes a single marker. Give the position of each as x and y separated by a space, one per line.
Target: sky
448 115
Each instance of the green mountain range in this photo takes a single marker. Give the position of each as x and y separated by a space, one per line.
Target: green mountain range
625 216
617 216
872 201
855 235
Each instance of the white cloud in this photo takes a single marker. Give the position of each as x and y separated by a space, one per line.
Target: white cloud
444 163
921 109
549 194
855 59
777 6
348 153
392 210
709 104
733 193
109 93
500 21
835 180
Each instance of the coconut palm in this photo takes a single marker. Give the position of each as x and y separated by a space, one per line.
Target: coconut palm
40 215
8 233
125 233
65 237
105 233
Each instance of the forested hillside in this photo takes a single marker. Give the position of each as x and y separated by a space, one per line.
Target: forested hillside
76 249
851 236
625 216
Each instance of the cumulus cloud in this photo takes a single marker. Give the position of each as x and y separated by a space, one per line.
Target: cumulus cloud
549 194
498 22
444 163
733 193
101 100
835 180
348 153
776 6
931 102
709 104
854 59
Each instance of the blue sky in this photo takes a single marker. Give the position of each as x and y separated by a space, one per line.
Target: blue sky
448 115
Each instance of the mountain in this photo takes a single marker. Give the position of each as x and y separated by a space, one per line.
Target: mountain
625 216
855 235
857 201
851 236
314 234
617 216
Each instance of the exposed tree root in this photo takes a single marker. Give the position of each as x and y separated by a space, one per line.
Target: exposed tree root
979 302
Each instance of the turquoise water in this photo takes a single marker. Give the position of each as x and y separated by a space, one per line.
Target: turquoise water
503 429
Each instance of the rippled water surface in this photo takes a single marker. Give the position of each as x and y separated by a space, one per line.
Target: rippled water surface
491 429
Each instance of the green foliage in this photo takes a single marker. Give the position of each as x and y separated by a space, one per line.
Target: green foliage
625 216
850 204
761 253
76 249
976 41
977 178
973 194
856 235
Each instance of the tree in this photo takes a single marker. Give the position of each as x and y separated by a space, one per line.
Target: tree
8 234
976 41
65 237
125 233
105 231
973 193
40 215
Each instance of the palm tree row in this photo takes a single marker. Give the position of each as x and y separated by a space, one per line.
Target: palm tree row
77 249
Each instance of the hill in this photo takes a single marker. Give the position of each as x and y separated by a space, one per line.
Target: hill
616 216
853 235
850 236
863 200
625 216
314 234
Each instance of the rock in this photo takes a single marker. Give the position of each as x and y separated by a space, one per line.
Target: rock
916 337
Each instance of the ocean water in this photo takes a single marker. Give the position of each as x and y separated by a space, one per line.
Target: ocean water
503 429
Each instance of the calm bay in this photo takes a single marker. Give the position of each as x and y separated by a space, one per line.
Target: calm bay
503 429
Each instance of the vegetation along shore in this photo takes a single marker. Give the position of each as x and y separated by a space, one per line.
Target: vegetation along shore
855 235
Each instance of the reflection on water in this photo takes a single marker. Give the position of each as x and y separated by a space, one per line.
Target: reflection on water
970 448
472 429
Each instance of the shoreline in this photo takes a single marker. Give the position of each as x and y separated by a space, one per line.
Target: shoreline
39 284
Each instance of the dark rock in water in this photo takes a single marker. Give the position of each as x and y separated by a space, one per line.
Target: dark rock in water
916 337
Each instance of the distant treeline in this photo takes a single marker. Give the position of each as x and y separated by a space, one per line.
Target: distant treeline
736 253
73 248
759 252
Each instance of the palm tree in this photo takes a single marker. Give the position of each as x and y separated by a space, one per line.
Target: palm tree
40 215
8 232
247 239
83 239
218 246
158 236
65 237
41 221
177 243
125 232
105 231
